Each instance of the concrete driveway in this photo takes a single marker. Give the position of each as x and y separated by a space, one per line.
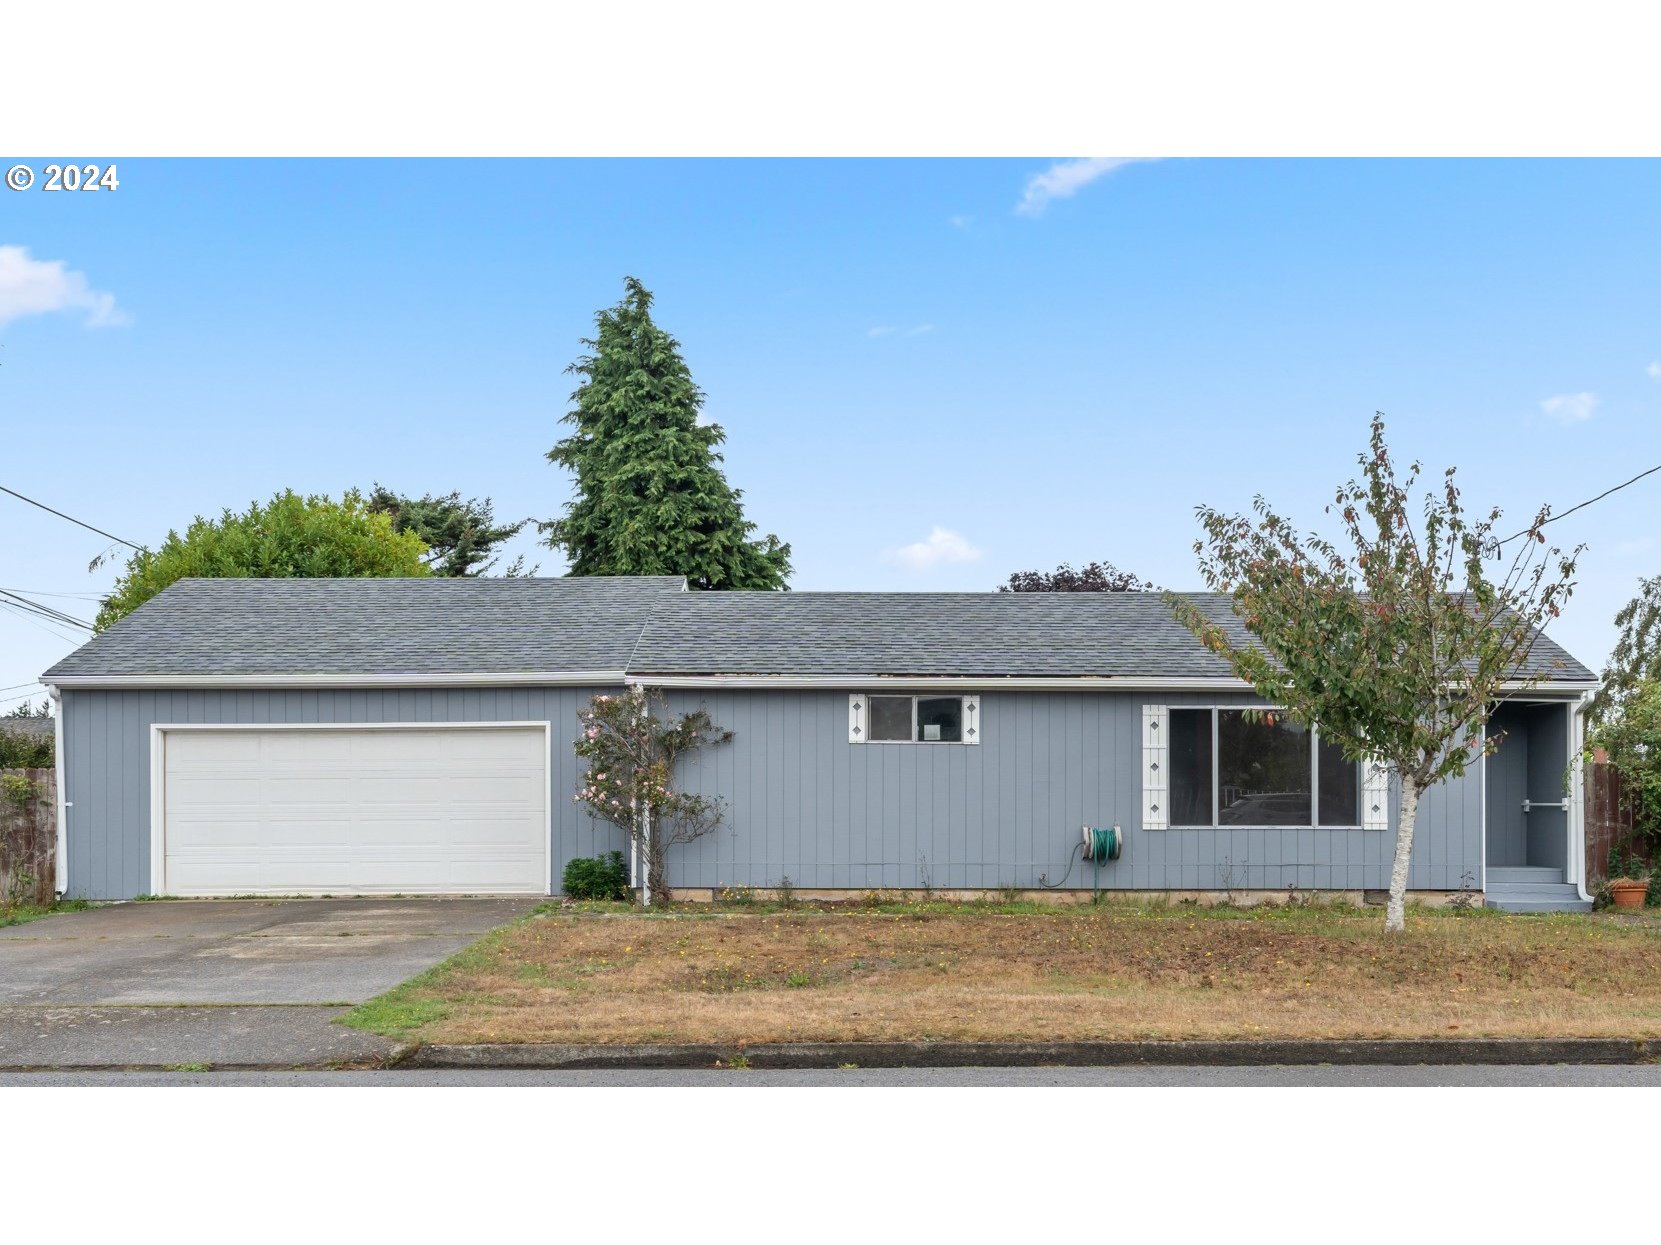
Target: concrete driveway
224 982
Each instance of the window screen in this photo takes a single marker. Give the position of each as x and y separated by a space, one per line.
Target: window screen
891 718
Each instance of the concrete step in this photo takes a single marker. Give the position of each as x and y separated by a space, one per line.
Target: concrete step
1534 896
1523 873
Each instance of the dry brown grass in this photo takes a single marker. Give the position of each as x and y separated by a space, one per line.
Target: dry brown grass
983 975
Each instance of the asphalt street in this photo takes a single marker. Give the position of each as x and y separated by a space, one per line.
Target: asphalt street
1619 1075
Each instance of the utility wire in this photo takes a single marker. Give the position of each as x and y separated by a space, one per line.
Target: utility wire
45 611
42 505
1606 492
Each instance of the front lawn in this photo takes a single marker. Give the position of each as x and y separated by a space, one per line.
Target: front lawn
987 973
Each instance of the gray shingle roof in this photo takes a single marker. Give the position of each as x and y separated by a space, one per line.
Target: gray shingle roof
650 626
376 626
1067 634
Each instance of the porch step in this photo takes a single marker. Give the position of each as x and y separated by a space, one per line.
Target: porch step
1527 874
1534 896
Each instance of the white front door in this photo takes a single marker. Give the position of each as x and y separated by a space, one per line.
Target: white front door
326 810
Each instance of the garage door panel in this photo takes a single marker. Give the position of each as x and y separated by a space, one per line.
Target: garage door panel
355 811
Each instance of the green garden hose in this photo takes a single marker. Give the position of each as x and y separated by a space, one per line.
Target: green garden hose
1102 844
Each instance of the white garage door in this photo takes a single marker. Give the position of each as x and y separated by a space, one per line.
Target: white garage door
331 811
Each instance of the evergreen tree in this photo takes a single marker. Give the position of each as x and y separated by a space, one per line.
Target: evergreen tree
651 497
461 536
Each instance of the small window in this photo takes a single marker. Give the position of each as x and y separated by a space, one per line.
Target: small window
940 719
914 719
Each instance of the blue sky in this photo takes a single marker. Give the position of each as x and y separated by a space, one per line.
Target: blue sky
1042 361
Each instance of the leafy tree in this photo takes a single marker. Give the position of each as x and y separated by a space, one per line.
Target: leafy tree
25 750
1397 646
1631 738
460 536
289 537
651 497
1636 659
1096 577
27 710
631 752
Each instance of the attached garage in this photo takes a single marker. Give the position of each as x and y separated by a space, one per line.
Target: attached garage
331 809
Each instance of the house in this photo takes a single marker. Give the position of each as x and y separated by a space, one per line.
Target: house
244 736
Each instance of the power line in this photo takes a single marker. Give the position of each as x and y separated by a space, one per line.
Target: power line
45 611
15 686
1606 492
42 505
41 622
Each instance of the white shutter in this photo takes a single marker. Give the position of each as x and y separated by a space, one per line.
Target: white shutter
1156 727
858 727
971 719
1375 795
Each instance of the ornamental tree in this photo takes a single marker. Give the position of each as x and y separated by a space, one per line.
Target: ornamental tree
1396 641
631 748
651 497
1635 661
289 537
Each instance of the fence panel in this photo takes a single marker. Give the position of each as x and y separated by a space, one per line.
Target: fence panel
1608 819
28 836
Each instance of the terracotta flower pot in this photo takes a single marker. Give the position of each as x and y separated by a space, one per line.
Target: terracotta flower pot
1628 894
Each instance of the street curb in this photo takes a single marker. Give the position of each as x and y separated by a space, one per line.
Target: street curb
1399 1052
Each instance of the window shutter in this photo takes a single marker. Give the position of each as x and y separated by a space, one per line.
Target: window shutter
858 728
1375 795
1156 729
971 719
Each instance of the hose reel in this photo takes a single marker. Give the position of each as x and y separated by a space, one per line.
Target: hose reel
1102 845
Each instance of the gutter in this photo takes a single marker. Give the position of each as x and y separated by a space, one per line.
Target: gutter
994 682
518 678
60 853
1577 793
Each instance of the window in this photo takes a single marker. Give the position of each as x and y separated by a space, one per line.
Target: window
913 719
1257 767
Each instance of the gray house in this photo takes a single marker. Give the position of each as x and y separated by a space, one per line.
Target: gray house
341 736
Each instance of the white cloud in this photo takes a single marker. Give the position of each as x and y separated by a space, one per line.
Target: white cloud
1654 369
1570 408
893 330
960 222
881 330
943 547
33 287
1066 179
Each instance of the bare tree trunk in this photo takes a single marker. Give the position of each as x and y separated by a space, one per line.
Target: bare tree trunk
1395 917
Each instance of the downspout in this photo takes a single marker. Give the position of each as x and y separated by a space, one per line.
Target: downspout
1577 793
60 881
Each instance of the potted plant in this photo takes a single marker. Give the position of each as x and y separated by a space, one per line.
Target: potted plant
1628 879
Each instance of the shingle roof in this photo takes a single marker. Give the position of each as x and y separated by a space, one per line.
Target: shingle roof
1066 634
376 626
651 626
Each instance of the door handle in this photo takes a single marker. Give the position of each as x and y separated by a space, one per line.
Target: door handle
1530 805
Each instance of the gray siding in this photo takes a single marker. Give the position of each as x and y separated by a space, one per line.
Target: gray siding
805 803
107 761
802 801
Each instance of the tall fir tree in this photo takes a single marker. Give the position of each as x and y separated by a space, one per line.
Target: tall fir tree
651 498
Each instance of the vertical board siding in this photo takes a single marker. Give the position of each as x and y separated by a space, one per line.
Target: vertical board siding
1009 810
804 803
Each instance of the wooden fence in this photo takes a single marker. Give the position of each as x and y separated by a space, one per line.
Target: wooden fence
1609 821
28 836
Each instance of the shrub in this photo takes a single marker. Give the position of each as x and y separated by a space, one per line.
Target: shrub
24 751
596 877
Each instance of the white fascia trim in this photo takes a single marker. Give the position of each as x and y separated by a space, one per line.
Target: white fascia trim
516 678
867 682
1077 683
1577 796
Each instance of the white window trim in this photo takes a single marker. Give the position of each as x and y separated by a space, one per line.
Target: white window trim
859 720
1314 823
